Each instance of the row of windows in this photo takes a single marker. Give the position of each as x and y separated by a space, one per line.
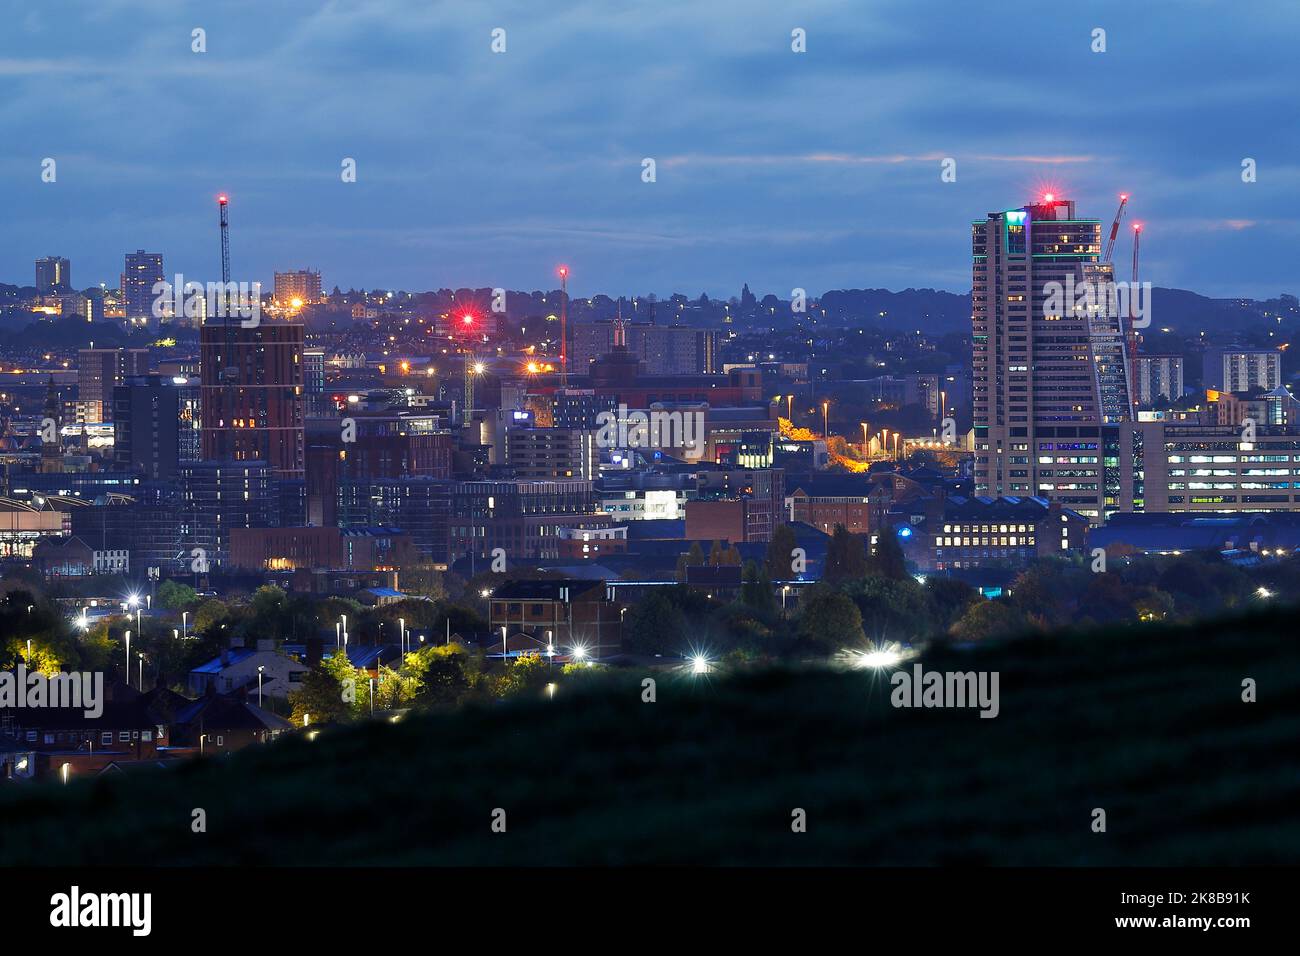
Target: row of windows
105 738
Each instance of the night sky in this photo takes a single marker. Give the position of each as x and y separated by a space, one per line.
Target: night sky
819 170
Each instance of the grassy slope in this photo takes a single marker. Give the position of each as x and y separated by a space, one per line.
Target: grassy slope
1147 724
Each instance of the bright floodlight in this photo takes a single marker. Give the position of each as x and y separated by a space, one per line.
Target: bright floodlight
884 657
478 368
877 657
133 600
579 651
1264 592
699 664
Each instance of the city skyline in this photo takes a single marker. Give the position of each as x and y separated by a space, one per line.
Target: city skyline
771 167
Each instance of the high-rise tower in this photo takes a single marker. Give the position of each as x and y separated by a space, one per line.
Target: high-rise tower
1049 363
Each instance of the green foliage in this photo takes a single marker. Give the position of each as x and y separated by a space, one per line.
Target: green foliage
830 620
444 674
175 596
524 675
756 589
320 697
986 619
779 553
665 621
948 599
211 614
846 558
887 560
691 559
892 609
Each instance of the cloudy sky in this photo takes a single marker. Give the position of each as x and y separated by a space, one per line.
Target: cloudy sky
819 170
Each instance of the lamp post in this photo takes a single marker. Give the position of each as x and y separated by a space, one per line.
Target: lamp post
826 412
401 623
789 408
260 668
128 658
184 617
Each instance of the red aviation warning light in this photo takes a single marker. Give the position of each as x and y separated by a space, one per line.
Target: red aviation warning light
564 272
223 199
1049 197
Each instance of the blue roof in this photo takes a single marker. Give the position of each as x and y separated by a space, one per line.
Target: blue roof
216 665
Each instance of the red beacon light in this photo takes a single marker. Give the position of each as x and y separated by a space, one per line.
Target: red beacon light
467 319
1049 197
223 199
564 271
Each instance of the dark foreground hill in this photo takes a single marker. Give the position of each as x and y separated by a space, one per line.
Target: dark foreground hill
1148 724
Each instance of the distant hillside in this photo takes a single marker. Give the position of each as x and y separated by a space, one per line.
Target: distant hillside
1145 723
934 310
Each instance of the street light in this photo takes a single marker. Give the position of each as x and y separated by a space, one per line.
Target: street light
128 658
401 623
826 411
184 616
260 668
789 408
140 655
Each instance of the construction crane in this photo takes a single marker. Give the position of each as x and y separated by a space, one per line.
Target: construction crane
1131 334
229 373
223 204
1114 227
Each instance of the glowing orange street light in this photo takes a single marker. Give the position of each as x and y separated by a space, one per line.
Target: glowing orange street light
826 429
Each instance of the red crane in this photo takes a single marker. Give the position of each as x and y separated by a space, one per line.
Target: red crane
1114 227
